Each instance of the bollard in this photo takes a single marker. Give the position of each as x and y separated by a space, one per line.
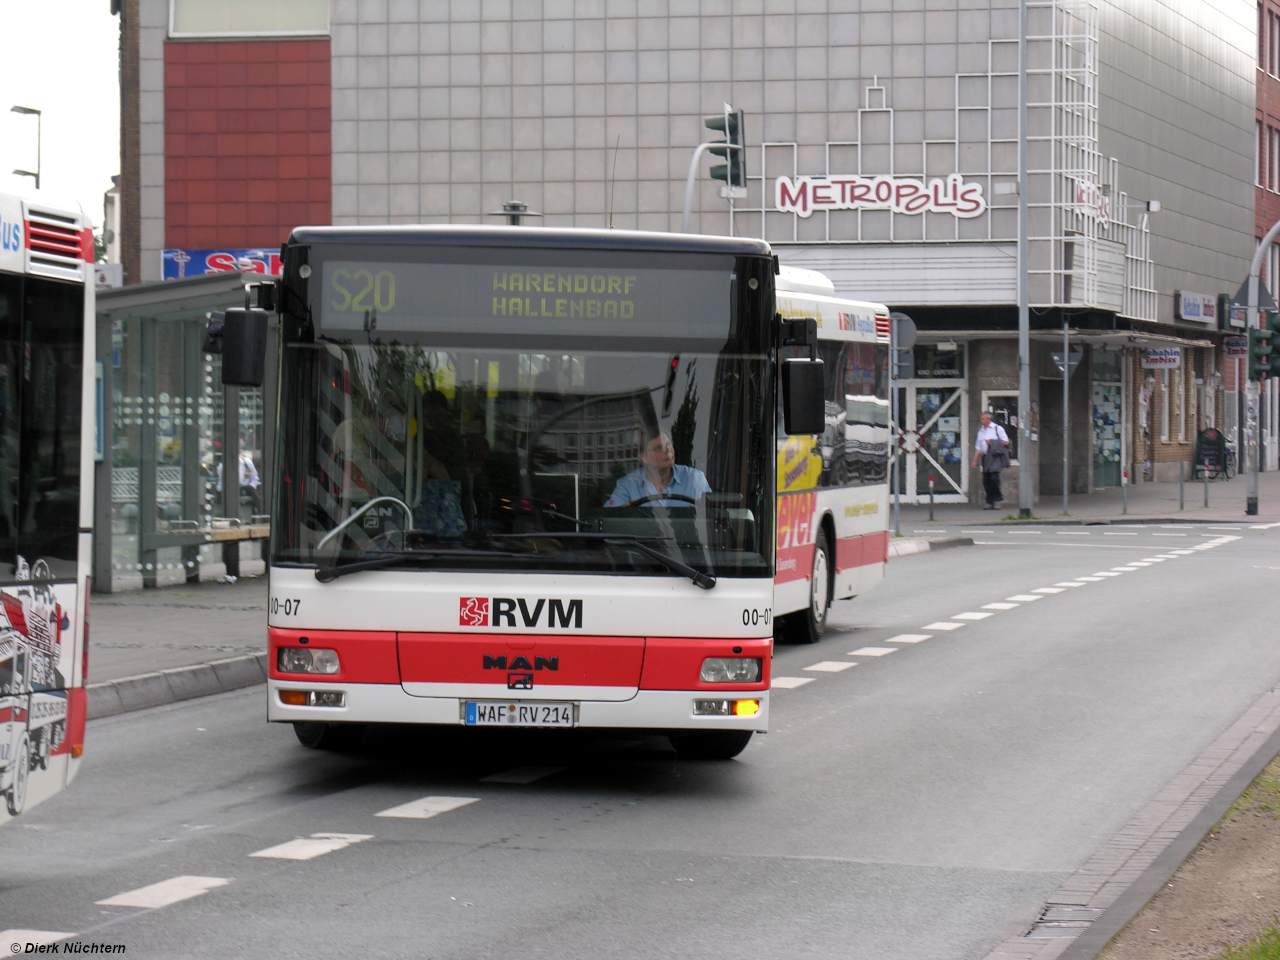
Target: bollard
931 496
1205 468
1182 503
1124 492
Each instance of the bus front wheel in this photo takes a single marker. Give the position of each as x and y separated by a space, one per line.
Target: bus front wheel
709 744
328 736
16 798
807 625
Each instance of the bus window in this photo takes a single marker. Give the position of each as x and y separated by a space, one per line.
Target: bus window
10 428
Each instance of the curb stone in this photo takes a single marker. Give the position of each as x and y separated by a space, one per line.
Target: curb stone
127 694
910 546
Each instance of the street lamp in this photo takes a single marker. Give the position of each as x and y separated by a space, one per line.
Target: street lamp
26 112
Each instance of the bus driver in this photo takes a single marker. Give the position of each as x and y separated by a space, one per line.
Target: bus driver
659 474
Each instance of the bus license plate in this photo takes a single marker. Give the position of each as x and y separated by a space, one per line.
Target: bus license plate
530 713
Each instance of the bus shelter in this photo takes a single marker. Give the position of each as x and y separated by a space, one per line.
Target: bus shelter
181 487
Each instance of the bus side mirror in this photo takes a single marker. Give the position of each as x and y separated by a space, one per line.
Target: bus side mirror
804 409
244 347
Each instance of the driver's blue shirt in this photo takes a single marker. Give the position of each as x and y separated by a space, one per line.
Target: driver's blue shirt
685 481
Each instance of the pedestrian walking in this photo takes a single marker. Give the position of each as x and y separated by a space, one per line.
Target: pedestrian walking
992 449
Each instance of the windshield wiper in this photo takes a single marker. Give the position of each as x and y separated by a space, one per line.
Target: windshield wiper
329 574
704 580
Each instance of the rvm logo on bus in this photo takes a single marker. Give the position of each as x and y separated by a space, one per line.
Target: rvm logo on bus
475 612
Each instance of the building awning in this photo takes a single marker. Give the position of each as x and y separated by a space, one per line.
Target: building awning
1109 338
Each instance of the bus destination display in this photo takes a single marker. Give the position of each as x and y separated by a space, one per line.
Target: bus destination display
486 298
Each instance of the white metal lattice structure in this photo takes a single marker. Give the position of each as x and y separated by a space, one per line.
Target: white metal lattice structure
1084 252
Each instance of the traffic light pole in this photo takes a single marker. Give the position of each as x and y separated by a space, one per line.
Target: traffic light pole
1251 385
693 175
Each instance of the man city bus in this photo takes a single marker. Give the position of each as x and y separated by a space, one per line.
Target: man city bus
526 478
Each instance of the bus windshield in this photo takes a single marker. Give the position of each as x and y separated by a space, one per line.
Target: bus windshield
526 416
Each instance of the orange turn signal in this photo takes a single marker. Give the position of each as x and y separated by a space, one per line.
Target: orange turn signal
746 708
293 698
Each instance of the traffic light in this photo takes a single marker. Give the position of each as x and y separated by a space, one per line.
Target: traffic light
734 171
1259 352
1272 329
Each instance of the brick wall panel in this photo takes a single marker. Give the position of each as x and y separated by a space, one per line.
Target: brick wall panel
248 141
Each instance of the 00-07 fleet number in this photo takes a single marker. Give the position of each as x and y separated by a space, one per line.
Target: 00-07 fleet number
287 605
753 618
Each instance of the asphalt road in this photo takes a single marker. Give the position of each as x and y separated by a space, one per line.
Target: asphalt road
920 804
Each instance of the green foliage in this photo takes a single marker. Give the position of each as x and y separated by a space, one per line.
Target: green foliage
1265 946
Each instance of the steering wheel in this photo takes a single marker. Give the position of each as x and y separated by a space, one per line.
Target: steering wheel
662 496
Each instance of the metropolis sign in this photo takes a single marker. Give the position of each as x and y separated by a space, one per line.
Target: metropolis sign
803 195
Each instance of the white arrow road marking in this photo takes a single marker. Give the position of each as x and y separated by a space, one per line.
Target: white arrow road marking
164 893
942 625
789 683
830 666
872 651
999 606
427 807
308 848
971 615
909 638
40 938
1024 597
522 774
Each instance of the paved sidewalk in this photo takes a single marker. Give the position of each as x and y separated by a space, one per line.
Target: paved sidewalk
1148 502
151 647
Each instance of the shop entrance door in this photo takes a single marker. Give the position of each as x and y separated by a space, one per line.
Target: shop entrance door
936 413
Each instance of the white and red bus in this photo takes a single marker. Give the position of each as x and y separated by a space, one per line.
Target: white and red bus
527 478
833 489
47 440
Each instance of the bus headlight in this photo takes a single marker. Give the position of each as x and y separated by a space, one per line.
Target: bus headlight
306 660
731 670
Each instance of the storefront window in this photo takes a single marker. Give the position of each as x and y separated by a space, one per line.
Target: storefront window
933 360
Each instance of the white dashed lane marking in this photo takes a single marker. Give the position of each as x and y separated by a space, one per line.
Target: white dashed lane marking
427 807
1049 590
1115 533
1169 534
1025 533
789 683
1106 573
40 938
971 615
873 651
830 666
1089 579
942 625
1073 533
1069 583
522 774
909 638
308 848
998 606
1124 569
1024 597
164 893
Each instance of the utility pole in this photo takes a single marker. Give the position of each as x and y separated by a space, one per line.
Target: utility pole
1025 492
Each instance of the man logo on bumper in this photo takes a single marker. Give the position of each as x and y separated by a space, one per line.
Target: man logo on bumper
521 662
562 614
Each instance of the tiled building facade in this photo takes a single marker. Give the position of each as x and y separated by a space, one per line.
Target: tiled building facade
589 110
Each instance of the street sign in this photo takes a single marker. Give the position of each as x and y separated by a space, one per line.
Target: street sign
1073 361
